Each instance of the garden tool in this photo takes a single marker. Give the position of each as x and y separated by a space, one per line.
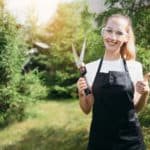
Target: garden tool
80 64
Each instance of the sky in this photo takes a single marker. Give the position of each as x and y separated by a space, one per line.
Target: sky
45 9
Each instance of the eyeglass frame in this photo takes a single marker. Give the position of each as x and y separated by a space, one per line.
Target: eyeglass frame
120 34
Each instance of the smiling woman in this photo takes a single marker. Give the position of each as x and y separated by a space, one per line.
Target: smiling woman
45 9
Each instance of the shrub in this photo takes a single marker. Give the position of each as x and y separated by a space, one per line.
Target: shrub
144 116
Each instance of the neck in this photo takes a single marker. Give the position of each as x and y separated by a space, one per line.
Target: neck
111 55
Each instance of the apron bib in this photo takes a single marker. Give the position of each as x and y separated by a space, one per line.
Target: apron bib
114 123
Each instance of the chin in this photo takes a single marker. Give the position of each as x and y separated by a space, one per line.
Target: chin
112 48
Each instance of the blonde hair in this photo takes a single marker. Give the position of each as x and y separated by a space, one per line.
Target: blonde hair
128 48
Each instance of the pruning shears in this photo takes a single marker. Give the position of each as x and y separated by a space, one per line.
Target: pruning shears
80 64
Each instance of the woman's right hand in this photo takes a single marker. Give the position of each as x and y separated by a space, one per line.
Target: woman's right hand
86 101
82 85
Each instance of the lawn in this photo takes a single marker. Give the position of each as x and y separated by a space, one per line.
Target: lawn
53 125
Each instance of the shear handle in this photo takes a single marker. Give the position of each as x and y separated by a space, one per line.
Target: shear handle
82 74
82 71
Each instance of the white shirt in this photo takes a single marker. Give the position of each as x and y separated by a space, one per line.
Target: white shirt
134 67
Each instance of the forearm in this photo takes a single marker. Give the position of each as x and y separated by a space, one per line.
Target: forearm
86 102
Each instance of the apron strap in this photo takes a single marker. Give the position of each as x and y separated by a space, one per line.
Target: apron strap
101 61
125 65
99 66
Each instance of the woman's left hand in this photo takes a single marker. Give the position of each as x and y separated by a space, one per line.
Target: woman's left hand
142 87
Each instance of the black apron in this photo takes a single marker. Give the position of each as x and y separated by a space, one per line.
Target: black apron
114 123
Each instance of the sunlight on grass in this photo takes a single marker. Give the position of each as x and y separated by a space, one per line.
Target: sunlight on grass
53 125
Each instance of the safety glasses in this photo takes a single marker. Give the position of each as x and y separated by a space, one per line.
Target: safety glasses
111 32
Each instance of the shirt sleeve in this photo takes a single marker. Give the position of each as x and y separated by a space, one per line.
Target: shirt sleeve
135 71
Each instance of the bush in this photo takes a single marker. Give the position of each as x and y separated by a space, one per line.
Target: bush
30 86
11 106
144 116
16 90
143 55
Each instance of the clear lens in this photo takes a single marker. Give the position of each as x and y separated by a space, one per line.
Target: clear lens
110 32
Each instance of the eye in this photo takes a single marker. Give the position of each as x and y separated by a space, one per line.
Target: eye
109 31
119 33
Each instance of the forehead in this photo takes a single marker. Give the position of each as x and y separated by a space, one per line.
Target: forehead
117 23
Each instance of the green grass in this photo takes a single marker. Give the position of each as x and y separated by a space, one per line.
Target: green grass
53 125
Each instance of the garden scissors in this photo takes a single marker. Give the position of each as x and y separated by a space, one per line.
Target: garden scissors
80 64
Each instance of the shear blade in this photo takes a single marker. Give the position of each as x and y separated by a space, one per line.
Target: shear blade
83 51
75 56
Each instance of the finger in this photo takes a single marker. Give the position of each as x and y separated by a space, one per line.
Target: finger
142 89
81 80
139 87
142 83
146 89
139 90
82 89
82 85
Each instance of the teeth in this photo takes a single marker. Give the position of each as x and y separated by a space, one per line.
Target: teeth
112 43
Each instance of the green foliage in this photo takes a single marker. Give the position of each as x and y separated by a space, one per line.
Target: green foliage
69 26
102 17
65 30
31 87
143 55
11 105
6 32
11 59
16 90
95 46
146 132
141 24
144 116
128 7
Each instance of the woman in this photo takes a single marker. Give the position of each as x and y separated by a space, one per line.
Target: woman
118 90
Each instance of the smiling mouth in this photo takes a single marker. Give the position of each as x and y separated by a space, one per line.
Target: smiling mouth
112 43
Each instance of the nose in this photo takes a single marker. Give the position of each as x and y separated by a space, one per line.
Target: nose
113 36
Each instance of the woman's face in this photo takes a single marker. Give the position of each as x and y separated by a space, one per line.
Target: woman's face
114 34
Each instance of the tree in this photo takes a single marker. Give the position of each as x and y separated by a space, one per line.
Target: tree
65 30
31 25
11 58
70 26
128 6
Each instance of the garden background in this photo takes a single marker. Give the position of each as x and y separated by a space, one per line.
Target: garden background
39 107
